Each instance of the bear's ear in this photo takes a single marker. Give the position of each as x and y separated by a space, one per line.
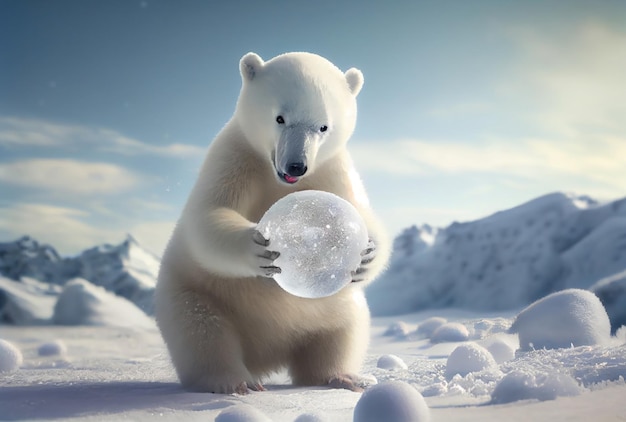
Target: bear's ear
354 77
249 65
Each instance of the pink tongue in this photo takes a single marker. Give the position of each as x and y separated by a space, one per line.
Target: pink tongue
290 179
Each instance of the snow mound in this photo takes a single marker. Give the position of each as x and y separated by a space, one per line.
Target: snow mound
428 327
242 413
391 362
394 401
82 303
450 332
10 357
127 269
320 237
311 417
506 260
52 348
398 329
26 302
563 319
501 351
612 294
520 385
469 357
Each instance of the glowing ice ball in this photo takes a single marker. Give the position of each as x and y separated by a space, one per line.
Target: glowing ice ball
320 237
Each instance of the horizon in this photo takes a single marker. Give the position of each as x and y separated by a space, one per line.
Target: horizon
107 108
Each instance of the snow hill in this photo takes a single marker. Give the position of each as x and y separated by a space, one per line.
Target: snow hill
510 259
34 276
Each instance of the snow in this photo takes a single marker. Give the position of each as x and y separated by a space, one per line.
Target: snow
398 329
469 357
390 362
119 368
122 373
567 318
320 238
612 294
428 327
52 348
241 413
10 357
449 332
394 401
507 260
82 303
521 385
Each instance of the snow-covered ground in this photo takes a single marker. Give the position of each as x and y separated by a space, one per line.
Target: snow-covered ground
117 373
77 340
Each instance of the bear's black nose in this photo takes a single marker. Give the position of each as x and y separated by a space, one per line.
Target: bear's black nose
296 169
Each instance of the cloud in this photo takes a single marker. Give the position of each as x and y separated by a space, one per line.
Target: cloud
18 132
64 228
572 82
69 177
598 160
154 235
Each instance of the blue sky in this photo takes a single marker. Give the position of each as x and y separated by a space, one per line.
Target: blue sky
107 107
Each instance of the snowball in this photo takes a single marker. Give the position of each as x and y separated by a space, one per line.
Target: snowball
320 237
394 401
397 329
449 332
241 413
428 326
53 348
501 351
520 385
391 362
563 319
469 357
310 417
10 357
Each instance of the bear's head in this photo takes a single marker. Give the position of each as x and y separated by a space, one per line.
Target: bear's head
297 110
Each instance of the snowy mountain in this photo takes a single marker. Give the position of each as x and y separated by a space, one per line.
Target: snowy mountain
34 275
506 260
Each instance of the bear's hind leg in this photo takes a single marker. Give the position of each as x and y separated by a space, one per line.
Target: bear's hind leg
204 346
331 359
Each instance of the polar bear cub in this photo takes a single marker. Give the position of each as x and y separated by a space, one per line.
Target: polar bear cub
226 322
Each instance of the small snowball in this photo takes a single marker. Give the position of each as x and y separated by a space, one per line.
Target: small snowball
311 417
53 348
520 385
501 351
242 413
428 326
10 357
397 329
563 319
467 358
437 389
450 332
391 362
394 401
320 237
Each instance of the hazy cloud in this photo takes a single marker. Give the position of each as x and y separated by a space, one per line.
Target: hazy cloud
19 132
69 177
52 224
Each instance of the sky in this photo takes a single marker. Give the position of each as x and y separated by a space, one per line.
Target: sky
107 107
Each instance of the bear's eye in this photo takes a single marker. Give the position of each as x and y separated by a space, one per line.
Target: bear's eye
280 120
323 128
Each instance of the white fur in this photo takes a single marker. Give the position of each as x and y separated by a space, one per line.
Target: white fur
226 326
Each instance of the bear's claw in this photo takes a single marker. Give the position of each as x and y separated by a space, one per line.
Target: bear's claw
367 256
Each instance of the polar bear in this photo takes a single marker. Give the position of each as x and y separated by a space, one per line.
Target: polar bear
226 322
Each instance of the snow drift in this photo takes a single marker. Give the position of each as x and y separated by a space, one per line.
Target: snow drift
506 260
